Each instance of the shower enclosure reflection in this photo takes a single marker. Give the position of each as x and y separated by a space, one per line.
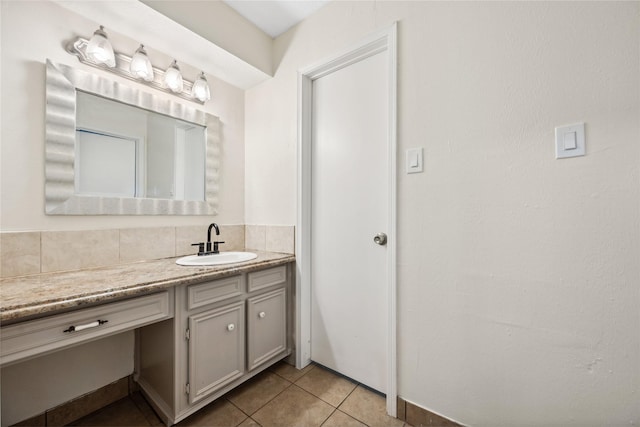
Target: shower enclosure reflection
123 151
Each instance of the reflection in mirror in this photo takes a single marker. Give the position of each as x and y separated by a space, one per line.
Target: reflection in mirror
124 151
116 150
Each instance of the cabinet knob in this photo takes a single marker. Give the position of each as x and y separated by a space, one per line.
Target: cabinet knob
262 315
231 327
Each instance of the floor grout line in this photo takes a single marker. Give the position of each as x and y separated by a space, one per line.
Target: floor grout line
266 403
332 412
277 381
235 406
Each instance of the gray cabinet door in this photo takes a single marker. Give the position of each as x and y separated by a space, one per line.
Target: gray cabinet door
267 327
216 349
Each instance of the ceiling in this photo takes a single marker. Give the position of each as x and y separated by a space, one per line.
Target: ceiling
274 17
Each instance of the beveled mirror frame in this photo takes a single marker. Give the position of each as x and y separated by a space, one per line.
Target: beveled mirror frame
60 138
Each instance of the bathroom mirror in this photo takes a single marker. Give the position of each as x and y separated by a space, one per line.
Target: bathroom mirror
112 149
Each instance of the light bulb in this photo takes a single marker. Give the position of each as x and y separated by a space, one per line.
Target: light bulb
140 65
200 89
173 78
99 49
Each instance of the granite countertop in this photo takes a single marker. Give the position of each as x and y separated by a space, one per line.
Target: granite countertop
24 297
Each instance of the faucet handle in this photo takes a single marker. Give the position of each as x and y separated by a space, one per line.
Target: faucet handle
215 247
200 246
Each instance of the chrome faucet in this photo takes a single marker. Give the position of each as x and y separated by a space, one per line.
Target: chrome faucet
209 250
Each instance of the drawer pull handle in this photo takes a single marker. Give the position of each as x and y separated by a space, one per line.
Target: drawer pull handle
85 326
231 327
262 315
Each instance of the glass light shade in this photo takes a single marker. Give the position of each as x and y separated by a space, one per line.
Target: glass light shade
200 89
99 49
173 78
140 65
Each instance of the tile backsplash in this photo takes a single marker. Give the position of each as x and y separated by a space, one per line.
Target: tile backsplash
147 243
20 253
255 237
23 253
73 250
271 238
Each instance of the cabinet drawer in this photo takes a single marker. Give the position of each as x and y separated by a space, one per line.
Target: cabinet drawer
269 277
35 337
267 327
210 292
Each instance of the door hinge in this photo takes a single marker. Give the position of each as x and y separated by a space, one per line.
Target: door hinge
187 334
187 388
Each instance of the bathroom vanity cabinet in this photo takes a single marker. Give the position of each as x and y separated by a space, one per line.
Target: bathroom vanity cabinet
224 332
199 331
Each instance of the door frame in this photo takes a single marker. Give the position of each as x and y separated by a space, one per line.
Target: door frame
380 41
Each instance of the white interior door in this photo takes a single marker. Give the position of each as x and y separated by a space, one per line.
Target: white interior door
349 207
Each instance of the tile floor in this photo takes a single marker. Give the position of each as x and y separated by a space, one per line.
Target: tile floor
281 396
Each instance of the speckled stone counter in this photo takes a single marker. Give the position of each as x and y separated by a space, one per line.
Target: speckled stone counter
25 297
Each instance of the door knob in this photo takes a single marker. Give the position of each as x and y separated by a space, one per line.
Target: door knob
380 239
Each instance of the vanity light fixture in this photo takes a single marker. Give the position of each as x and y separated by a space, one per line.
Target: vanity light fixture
173 77
99 49
138 67
201 89
141 65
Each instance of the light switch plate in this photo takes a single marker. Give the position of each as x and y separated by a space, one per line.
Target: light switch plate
570 141
414 160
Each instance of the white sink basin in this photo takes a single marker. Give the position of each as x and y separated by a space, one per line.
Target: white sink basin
216 259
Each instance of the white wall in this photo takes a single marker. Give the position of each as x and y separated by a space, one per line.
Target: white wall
518 273
35 30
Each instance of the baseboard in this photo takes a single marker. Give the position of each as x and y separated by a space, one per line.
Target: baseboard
417 416
79 407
